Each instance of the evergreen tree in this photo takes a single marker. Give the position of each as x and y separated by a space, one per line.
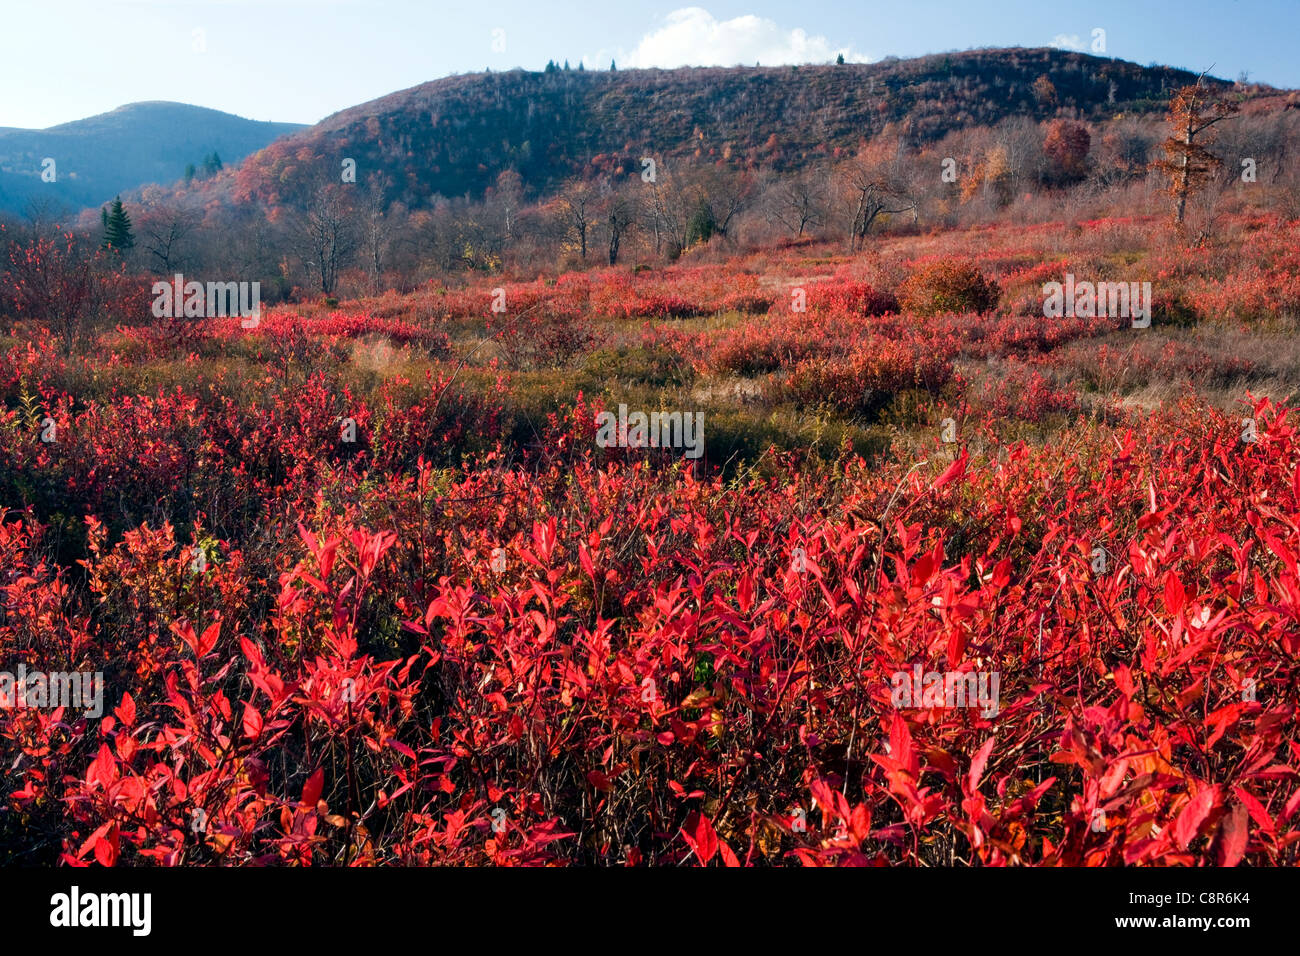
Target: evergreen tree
566 66
839 60
702 224
612 66
117 227
211 164
189 173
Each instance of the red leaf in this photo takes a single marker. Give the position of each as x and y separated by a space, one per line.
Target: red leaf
1175 597
1234 832
923 570
745 593
125 711
1257 810
954 471
977 765
728 857
956 645
1292 804
900 744
103 769
106 847
92 842
700 836
252 722
1189 821
311 790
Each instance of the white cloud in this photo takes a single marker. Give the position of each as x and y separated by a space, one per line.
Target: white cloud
692 36
1070 41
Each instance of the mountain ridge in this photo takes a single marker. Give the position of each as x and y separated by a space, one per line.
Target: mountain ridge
133 145
453 136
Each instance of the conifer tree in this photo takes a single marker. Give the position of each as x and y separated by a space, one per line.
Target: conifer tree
117 227
211 164
1187 163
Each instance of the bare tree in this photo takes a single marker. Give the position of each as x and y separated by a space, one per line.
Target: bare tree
799 204
577 204
722 193
326 233
509 195
164 231
872 189
376 228
41 214
666 214
690 205
619 216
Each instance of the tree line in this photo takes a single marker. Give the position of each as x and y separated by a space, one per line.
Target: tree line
327 237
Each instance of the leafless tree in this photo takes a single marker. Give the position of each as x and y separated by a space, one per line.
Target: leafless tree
799 203
722 192
326 233
577 204
872 191
509 196
619 214
164 234
376 228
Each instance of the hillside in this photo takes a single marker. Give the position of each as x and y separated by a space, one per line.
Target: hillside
453 136
114 152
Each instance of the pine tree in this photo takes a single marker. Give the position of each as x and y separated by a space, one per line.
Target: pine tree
211 164
117 227
839 60
612 66
566 66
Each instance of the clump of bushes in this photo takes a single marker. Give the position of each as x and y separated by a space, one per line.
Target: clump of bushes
948 285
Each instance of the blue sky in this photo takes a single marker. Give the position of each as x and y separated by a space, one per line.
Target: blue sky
300 60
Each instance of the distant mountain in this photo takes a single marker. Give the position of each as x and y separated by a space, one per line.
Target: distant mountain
140 143
453 136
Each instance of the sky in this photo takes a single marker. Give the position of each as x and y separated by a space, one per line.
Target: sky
301 60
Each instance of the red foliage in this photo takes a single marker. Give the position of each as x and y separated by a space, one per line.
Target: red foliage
646 683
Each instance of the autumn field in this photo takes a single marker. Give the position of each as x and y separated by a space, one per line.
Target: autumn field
365 585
